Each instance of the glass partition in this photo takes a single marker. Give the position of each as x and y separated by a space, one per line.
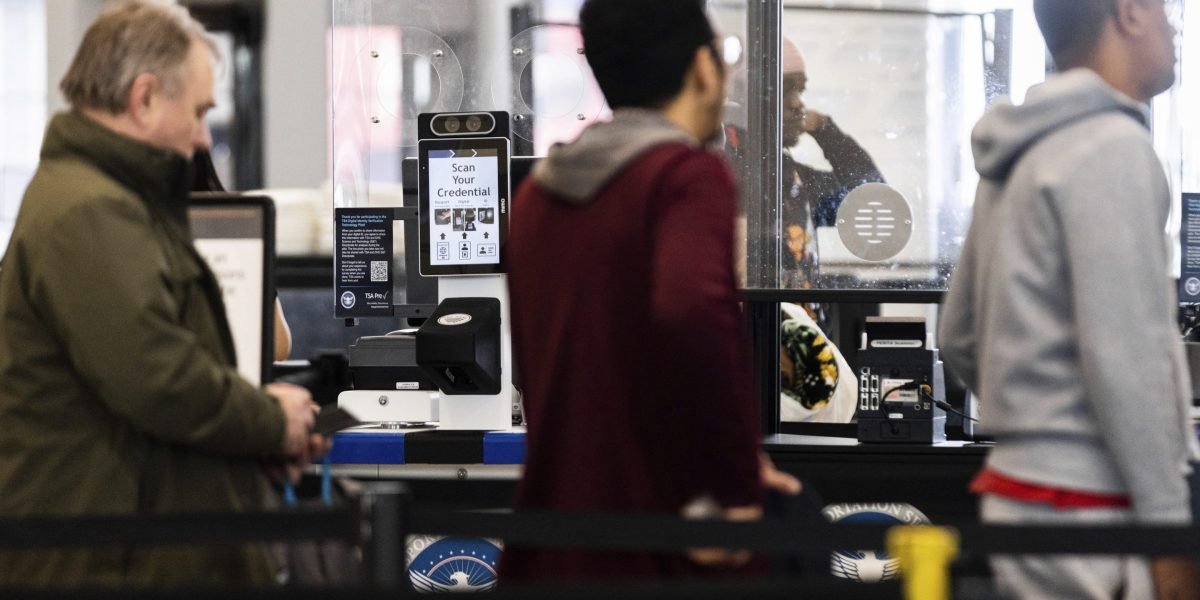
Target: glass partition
877 104
1176 124
847 124
849 133
395 59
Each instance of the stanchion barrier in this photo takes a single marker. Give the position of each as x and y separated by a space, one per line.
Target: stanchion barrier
772 537
382 527
198 529
925 553
666 590
592 530
1148 540
610 531
386 504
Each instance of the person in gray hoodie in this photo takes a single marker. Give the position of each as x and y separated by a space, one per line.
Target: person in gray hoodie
1060 314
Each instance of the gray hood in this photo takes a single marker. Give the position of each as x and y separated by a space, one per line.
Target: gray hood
576 171
1005 132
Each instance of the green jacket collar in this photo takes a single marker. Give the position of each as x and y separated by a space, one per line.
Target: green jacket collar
160 177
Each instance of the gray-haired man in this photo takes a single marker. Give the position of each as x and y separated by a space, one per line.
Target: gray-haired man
120 395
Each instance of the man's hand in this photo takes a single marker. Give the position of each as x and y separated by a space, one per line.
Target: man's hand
318 447
724 557
814 120
775 480
772 479
299 412
291 468
1175 578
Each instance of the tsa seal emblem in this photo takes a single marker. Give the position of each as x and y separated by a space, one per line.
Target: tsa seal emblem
1192 286
869 566
453 565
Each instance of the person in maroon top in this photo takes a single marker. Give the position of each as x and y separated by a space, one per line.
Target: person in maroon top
625 318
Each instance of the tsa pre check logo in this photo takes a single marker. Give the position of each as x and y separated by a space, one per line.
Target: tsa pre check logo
348 299
455 565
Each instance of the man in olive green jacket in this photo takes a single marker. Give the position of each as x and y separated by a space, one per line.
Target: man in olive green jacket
118 390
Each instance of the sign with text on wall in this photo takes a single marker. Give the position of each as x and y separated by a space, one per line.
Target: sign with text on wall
1189 240
363 255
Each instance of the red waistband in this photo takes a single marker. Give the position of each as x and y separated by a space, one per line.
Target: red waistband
992 482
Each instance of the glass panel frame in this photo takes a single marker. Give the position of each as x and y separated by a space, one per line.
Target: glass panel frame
913 117
395 59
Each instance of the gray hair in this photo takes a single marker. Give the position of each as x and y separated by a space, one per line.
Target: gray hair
126 40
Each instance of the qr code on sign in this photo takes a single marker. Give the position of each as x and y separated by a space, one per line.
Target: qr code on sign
379 270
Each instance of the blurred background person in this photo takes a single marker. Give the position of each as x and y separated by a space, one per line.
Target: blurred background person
811 196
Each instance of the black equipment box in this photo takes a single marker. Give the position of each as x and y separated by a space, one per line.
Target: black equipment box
898 395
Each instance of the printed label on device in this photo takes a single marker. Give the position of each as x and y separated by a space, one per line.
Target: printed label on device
901 396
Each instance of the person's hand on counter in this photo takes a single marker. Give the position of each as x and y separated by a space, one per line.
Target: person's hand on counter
299 413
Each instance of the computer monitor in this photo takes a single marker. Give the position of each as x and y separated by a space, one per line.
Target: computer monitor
236 235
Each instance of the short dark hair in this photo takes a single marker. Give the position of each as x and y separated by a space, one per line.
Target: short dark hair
1072 27
640 50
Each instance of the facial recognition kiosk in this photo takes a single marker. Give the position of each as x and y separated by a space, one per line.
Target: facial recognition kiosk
454 371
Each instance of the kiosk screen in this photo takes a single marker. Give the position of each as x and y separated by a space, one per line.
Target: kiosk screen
464 194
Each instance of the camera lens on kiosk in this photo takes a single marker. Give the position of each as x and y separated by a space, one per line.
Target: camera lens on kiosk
474 123
452 124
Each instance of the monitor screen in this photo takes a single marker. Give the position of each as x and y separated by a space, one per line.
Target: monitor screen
235 235
463 192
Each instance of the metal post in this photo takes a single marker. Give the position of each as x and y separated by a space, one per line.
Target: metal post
764 321
386 505
764 147
997 68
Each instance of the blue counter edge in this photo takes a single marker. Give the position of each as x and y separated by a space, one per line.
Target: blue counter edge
374 448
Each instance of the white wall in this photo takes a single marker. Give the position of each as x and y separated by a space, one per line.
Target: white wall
295 105
294 81
22 103
66 20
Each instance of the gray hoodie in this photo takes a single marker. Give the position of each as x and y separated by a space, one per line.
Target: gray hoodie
1061 312
577 171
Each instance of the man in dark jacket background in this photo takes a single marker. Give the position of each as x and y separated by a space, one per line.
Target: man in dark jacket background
626 326
811 196
118 388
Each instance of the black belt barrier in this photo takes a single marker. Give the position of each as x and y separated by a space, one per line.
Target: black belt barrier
389 521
